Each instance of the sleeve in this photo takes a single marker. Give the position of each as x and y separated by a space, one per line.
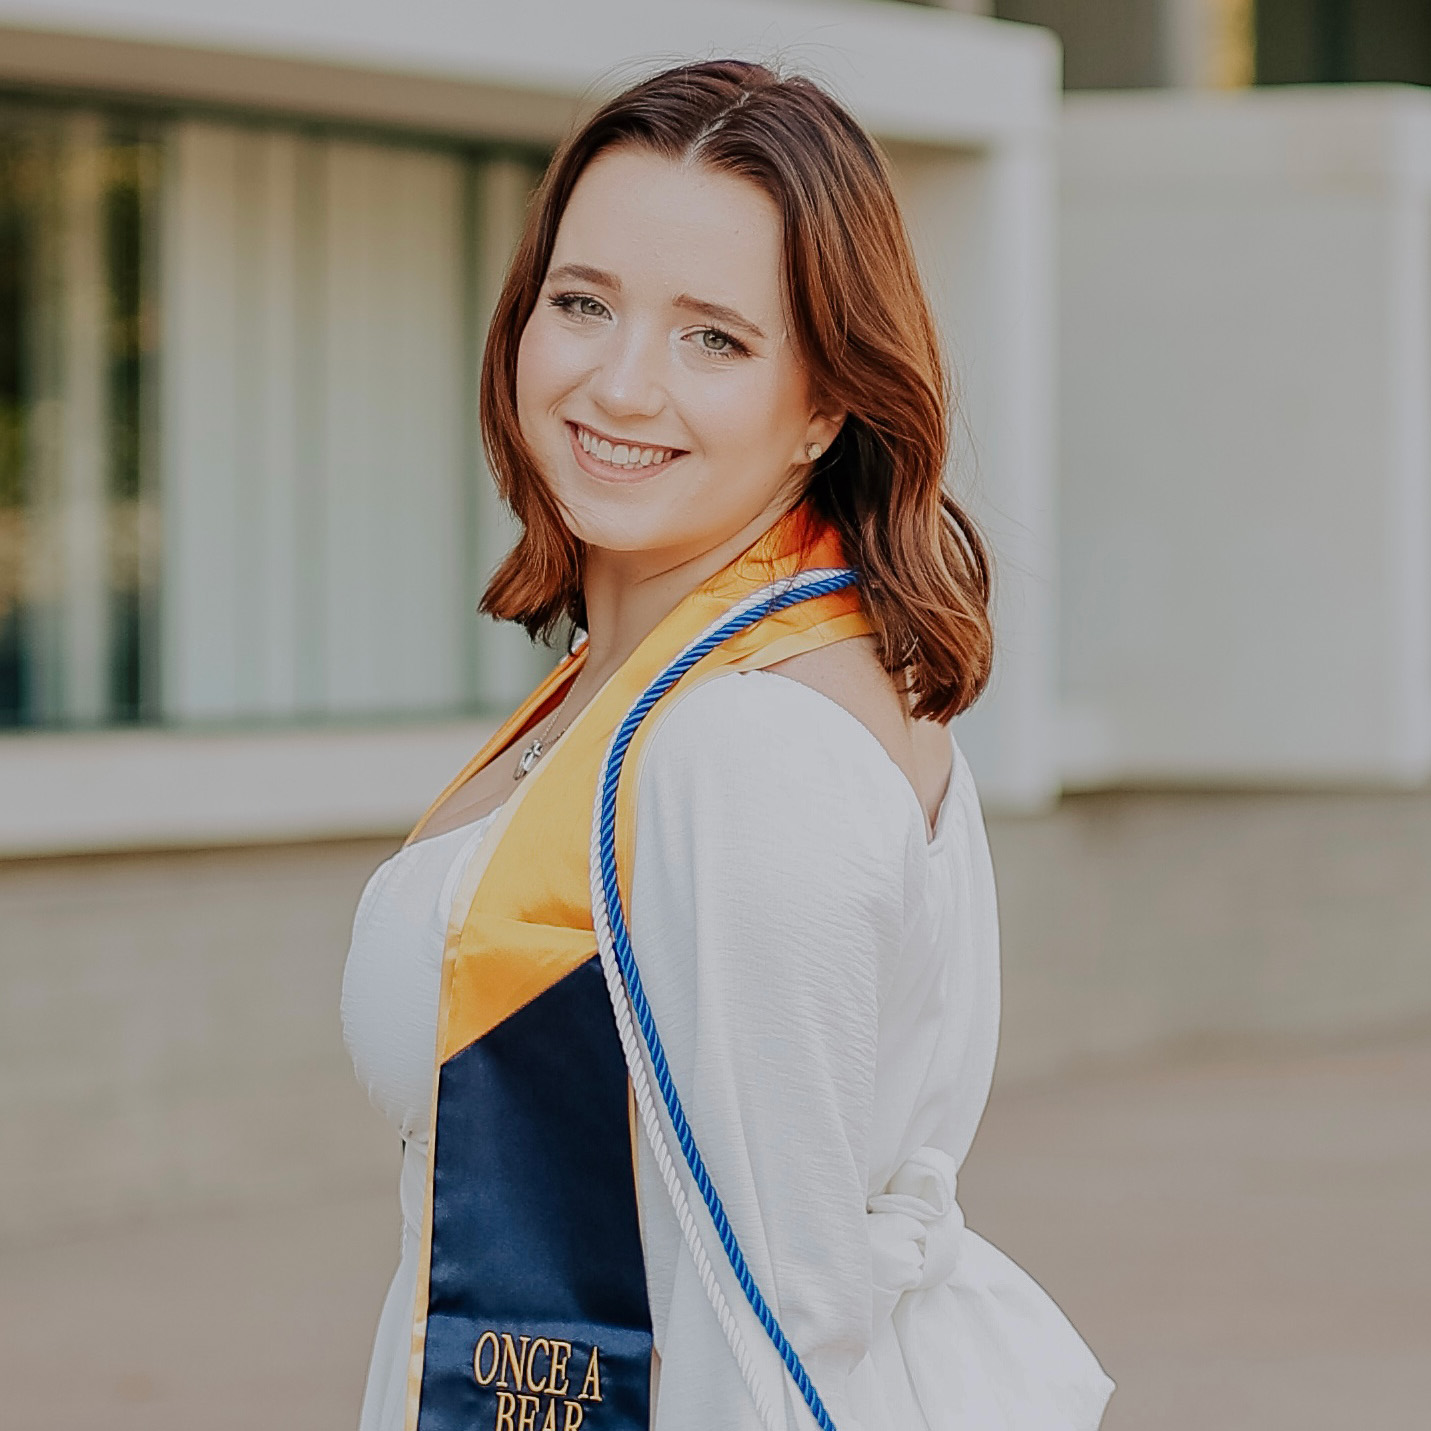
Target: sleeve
772 845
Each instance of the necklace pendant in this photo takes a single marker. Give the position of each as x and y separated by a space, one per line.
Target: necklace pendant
529 758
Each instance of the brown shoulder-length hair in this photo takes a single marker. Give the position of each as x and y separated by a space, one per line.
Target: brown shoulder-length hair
862 328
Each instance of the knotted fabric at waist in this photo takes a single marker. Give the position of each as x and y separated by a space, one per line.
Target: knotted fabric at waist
916 1227
966 1336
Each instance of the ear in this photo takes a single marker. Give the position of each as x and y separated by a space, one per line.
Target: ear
820 432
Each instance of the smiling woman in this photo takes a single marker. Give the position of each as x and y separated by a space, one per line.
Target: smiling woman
725 869
619 359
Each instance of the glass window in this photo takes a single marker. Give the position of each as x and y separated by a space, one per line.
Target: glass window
79 517
240 472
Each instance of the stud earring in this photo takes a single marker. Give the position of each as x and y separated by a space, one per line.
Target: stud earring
813 450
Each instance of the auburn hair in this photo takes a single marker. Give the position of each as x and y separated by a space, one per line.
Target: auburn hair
862 328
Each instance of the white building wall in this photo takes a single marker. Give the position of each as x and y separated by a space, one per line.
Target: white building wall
982 224
1246 415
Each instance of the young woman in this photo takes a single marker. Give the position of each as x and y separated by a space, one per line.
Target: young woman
705 937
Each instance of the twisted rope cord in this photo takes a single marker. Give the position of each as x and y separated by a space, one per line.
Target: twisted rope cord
650 1124
628 997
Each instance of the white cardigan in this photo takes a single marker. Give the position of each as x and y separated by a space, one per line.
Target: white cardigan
825 978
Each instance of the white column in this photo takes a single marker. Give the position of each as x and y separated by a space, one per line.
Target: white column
202 596
232 481
982 224
393 425
1208 44
268 397
1407 311
426 451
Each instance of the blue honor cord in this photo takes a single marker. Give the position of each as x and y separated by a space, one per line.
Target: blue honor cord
805 587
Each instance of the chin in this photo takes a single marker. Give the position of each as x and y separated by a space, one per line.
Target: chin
622 522
619 532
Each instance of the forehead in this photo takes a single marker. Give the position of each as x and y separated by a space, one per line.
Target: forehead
664 227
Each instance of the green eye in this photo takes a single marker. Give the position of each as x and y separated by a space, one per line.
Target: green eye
579 305
719 343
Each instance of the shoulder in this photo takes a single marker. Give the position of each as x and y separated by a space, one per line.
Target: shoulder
849 674
768 818
772 752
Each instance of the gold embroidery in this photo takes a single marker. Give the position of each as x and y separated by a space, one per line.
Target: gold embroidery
526 1389
532 1361
557 1383
515 1359
591 1387
487 1339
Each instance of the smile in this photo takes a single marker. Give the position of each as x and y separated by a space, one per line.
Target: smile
622 456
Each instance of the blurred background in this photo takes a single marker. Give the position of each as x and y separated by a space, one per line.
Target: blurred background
1181 250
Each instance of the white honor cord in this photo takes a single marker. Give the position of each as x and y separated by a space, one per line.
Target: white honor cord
632 1046
660 1148
641 1084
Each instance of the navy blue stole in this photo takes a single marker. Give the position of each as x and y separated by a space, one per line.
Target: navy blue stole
537 1316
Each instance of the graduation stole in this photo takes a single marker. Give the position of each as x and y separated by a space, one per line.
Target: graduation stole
531 1311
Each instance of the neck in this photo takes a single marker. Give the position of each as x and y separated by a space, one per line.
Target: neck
628 594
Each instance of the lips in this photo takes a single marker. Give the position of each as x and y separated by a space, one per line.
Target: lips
621 455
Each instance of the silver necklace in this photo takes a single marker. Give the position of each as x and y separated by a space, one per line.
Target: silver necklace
537 747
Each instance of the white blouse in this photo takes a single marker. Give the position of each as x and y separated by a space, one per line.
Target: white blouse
825 978
391 985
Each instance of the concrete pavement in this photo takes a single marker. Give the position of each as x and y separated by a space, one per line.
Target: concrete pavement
1243 1240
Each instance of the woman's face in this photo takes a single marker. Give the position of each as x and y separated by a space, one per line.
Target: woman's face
657 383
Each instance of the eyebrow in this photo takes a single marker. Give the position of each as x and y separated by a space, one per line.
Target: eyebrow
716 312
586 274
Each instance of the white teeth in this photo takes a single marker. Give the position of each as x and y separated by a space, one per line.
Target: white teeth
622 454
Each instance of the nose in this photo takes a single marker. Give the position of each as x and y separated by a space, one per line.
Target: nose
628 380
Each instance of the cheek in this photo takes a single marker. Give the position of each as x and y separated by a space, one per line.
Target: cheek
756 421
543 368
